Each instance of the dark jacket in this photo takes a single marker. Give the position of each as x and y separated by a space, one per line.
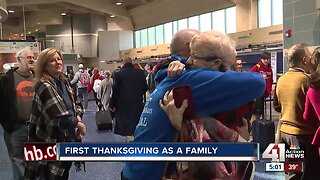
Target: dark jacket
8 101
51 121
127 98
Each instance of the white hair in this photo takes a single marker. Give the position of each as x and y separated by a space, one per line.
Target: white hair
22 51
214 44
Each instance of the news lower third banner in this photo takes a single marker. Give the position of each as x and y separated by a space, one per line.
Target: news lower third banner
158 152
143 152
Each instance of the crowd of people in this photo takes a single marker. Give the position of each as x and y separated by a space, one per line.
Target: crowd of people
39 103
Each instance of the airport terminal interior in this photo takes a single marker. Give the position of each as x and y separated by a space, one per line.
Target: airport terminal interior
103 33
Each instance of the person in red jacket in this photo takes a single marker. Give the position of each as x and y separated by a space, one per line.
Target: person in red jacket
264 68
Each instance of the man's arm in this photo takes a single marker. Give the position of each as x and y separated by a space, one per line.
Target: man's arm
276 103
2 83
75 78
215 91
115 90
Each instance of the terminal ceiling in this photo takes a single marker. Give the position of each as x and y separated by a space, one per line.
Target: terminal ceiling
138 13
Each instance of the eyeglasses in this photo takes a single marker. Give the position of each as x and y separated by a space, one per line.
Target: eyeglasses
239 63
30 57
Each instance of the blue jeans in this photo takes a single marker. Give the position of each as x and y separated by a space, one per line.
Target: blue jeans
83 96
15 144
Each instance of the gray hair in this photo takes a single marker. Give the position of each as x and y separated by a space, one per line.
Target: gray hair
214 44
296 54
22 51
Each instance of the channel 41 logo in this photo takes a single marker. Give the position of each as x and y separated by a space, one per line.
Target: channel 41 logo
275 152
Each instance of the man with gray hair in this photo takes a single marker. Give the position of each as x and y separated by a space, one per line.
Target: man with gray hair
291 95
213 92
16 94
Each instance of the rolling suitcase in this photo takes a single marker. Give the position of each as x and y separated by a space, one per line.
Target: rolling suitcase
263 130
103 120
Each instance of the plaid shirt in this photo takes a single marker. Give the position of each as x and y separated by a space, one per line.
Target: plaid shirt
48 110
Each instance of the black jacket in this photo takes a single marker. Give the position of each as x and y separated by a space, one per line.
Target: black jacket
129 87
8 101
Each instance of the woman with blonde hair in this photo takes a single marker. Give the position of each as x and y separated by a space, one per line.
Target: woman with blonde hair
54 117
104 92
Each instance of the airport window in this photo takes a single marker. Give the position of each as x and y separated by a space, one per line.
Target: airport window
193 22
230 20
175 27
223 20
151 36
277 12
168 32
205 22
137 39
270 12
144 37
159 34
183 24
218 21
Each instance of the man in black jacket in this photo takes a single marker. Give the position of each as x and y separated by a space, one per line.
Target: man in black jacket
16 94
127 98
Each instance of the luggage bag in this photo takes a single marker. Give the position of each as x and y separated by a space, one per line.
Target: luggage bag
263 130
103 120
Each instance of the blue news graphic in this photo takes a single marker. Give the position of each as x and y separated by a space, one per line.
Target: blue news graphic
159 151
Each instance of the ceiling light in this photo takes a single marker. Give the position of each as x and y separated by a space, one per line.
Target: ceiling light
119 2
11 11
112 16
29 32
63 14
39 23
36 30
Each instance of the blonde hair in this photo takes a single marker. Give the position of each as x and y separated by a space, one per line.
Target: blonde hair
42 61
108 74
214 44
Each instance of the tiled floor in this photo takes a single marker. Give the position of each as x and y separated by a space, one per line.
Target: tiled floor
105 170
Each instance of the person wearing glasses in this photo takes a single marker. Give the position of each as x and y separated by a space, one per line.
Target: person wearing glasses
16 94
214 90
238 65
54 116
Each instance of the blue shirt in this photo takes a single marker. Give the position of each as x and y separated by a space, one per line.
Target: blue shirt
213 92
162 73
